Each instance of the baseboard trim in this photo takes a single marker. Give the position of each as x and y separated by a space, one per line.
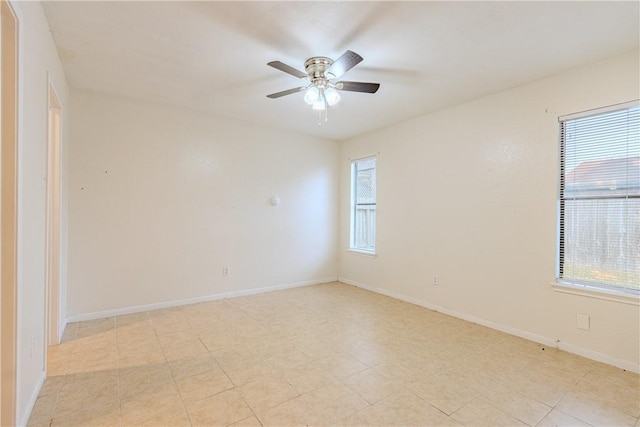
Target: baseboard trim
205 298
550 342
24 419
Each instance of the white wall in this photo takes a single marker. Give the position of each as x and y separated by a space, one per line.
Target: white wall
38 63
161 199
470 193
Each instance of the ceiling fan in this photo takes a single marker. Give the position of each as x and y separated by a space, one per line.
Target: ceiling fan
320 71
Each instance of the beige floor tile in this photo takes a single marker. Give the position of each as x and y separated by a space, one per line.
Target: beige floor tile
240 374
86 390
90 361
221 409
402 410
309 377
140 379
133 319
137 346
102 324
341 365
594 412
515 404
66 406
142 406
443 392
107 415
177 337
334 402
58 364
373 386
204 384
557 418
286 358
294 412
69 333
481 413
247 422
140 359
244 353
134 340
192 365
168 418
185 350
221 340
42 412
206 325
94 327
606 389
450 422
267 392
52 385
95 343
372 354
320 355
542 387
166 324
314 347
401 370
610 376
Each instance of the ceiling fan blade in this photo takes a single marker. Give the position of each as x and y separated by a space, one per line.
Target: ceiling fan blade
286 92
358 87
347 61
287 69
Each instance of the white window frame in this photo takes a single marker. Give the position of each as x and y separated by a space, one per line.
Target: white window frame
572 285
353 207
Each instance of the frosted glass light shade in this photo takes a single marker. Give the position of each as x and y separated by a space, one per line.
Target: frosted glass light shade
332 96
311 95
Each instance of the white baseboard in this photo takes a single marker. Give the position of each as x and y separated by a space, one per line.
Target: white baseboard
24 419
205 298
550 342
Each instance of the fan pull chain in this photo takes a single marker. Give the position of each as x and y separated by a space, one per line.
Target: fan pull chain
326 110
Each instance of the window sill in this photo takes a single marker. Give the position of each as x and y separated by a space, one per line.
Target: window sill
361 252
591 292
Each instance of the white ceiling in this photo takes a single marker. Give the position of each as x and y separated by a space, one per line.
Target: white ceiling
212 56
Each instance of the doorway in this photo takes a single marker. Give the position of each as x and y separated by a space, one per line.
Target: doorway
8 204
53 218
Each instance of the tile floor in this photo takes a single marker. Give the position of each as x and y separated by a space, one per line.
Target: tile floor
330 355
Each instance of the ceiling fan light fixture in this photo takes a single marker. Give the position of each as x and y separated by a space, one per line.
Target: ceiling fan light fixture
332 96
311 95
322 92
320 104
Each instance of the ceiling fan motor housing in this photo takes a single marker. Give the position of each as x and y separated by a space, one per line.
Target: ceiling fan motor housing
316 68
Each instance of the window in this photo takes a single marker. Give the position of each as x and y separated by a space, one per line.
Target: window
599 242
363 205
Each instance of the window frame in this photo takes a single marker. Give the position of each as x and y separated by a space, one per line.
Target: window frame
353 206
572 285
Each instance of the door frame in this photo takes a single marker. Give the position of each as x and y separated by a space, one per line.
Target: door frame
53 218
9 31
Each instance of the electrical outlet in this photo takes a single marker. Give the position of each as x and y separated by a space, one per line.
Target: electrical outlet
434 282
225 271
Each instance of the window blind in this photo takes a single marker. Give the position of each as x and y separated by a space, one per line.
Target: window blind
363 214
600 199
